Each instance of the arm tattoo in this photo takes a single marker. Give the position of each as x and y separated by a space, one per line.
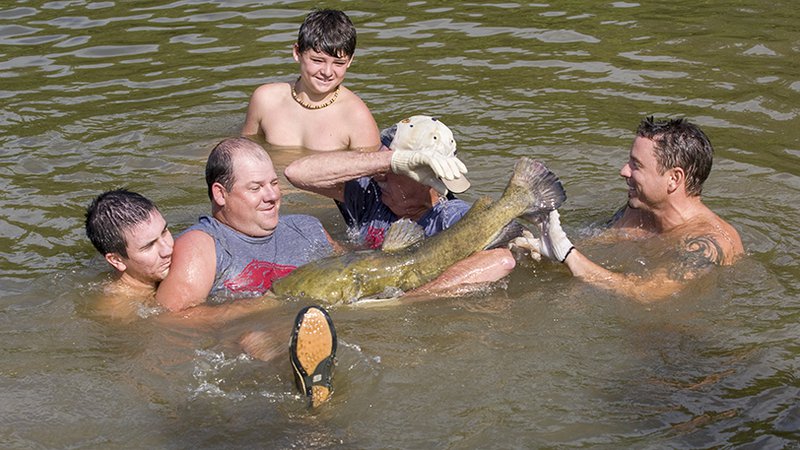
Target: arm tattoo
699 254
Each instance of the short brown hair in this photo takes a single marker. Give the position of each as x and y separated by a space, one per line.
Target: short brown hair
680 143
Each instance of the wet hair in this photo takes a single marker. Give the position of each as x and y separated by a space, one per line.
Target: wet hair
327 31
219 167
679 143
111 214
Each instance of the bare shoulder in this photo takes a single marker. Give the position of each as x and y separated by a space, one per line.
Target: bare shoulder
122 303
271 88
269 93
193 245
363 130
725 238
194 238
728 238
705 244
265 101
354 104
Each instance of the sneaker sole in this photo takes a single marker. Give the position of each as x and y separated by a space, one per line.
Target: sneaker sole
313 351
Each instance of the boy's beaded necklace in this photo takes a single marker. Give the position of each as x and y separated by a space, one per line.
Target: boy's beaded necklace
320 106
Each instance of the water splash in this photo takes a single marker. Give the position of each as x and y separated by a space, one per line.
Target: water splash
145 311
211 371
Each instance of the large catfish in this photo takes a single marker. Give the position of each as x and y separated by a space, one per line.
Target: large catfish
532 191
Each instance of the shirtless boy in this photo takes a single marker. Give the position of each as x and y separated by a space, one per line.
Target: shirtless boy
315 111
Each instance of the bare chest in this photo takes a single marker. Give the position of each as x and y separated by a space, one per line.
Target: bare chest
312 129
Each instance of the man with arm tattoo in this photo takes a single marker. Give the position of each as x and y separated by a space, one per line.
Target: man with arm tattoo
668 163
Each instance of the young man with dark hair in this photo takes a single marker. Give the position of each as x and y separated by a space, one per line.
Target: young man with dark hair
132 235
315 111
668 163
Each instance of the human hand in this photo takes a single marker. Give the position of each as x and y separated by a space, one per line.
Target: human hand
261 345
554 243
527 242
428 167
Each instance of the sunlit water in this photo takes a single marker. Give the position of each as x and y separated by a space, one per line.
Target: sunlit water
98 95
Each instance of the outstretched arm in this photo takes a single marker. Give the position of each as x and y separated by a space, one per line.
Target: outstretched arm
217 315
326 173
483 267
698 256
644 290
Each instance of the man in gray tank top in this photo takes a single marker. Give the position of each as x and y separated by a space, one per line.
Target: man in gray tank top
244 245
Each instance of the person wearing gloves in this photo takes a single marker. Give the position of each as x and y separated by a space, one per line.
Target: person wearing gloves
667 166
410 178
413 176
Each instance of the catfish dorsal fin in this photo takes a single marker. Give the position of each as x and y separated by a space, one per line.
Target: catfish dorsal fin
402 234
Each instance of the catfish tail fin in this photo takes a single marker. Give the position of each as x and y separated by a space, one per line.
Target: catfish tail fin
542 187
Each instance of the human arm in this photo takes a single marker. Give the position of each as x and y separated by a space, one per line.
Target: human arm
191 274
476 270
363 131
259 103
654 287
698 255
218 315
264 345
326 173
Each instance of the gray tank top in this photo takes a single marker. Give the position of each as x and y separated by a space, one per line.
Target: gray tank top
247 266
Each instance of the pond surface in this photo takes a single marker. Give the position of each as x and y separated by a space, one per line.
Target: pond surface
98 95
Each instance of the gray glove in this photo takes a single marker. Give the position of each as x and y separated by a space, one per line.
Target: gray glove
427 167
554 243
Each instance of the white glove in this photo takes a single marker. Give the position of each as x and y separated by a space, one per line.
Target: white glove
427 167
554 243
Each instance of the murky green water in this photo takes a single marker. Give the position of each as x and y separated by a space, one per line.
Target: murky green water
97 95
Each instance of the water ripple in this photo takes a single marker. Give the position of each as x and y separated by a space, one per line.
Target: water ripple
98 95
